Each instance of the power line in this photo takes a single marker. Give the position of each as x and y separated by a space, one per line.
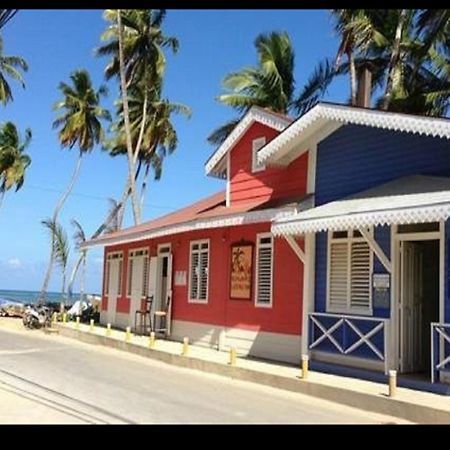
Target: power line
90 196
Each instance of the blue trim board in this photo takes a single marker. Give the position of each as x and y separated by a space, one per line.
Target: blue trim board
378 377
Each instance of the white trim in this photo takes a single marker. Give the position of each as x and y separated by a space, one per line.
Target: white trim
396 239
305 128
191 244
309 288
256 145
255 114
373 244
161 247
260 236
311 176
296 248
350 239
228 190
265 215
406 215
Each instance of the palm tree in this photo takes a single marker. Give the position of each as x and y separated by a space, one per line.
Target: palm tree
13 161
60 245
135 44
6 15
79 123
269 85
404 51
79 238
10 66
157 138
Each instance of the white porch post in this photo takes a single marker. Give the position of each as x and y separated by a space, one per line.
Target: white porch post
373 244
308 287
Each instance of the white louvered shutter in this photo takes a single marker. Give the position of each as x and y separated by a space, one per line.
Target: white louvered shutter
338 290
264 276
360 276
195 271
145 277
203 276
130 275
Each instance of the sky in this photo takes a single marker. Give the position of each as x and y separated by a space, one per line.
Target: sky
56 42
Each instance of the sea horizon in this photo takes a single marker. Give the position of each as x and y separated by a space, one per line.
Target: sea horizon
25 296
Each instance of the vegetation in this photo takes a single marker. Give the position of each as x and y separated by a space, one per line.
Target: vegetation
13 159
80 122
269 85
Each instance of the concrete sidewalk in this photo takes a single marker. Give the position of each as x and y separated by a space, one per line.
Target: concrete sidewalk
414 406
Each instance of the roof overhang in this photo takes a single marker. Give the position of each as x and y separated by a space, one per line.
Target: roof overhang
264 215
323 119
217 164
414 199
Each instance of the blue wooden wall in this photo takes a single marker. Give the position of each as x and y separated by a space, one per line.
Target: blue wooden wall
356 158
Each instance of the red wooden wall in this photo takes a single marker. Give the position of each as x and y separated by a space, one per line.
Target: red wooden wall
271 183
283 317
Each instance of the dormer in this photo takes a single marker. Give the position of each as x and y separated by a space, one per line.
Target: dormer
236 161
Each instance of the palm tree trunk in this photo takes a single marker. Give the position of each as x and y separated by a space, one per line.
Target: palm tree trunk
74 274
144 184
59 205
83 274
353 81
395 57
63 287
126 116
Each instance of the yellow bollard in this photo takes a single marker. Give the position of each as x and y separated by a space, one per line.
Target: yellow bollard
232 356
54 318
305 366
64 317
108 329
185 350
77 326
392 383
128 334
91 325
151 340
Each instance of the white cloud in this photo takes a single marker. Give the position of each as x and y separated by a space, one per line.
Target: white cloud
14 263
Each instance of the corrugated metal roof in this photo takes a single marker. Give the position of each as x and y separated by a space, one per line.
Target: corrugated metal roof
412 199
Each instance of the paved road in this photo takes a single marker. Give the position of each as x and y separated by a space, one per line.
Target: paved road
51 379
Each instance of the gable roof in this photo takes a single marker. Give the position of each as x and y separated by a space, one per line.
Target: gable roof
207 213
216 164
325 118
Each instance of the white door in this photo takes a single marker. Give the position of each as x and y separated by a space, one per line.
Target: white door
410 307
137 282
115 266
152 282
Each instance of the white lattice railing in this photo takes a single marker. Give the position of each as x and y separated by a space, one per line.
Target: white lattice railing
345 335
440 348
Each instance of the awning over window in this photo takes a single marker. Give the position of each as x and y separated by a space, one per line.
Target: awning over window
412 199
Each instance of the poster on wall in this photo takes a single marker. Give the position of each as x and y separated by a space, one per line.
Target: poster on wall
241 271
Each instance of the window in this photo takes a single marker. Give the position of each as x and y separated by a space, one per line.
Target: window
136 258
350 262
256 145
110 257
198 271
264 265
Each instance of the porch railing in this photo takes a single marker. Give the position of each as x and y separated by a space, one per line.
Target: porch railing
440 349
346 334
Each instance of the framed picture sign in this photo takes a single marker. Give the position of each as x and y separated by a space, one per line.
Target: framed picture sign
241 271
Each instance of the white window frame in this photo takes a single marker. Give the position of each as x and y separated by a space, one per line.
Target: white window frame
257 144
164 249
349 239
260 236
132 254
191 245
109 257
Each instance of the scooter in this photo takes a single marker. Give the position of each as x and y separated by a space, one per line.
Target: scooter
37 316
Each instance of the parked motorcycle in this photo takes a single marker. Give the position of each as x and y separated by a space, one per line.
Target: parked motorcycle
37 316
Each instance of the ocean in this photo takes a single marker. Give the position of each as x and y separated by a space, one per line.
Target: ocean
31 296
